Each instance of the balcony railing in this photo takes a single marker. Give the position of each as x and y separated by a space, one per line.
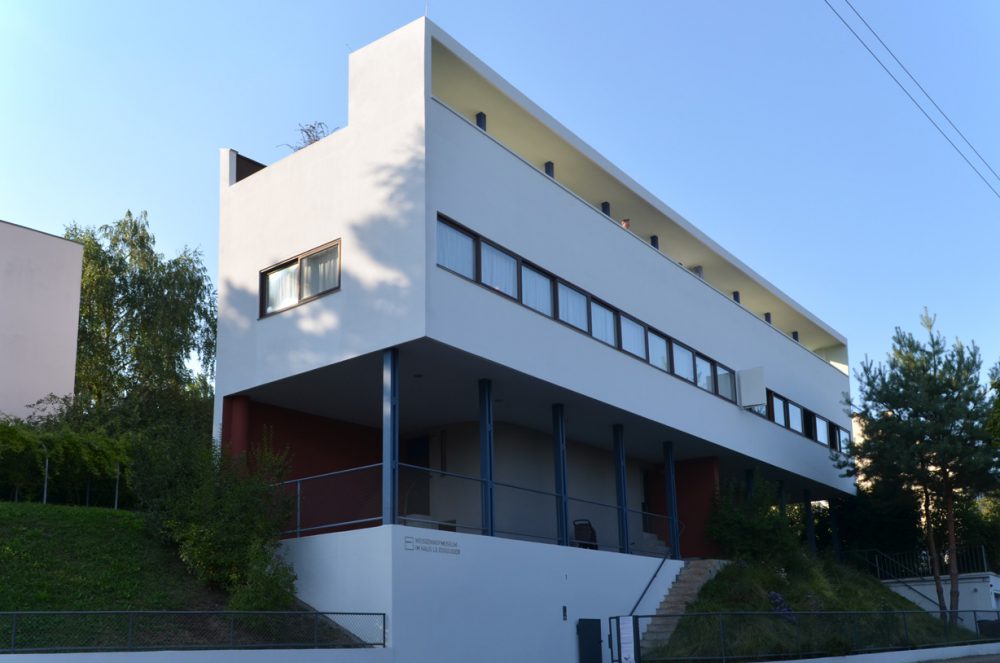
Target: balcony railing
449 501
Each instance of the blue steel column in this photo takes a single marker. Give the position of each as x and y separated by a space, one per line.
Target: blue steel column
618 433
486 453
808 517
390 434
671 481
559 463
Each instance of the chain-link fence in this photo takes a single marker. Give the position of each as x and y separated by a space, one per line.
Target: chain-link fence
762 636
148 630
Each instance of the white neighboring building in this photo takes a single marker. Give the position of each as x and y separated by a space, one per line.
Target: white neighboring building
40 278
502 367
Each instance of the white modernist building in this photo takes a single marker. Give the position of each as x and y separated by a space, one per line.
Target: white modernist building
509 377
40 276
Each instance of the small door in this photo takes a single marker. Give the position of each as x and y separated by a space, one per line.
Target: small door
588 636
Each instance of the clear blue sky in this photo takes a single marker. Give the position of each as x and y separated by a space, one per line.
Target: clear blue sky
764 123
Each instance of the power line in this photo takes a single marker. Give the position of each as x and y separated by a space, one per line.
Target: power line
926 93
915 102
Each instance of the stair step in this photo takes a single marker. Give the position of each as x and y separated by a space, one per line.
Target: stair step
682 592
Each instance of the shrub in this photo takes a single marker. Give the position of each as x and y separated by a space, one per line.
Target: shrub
750 526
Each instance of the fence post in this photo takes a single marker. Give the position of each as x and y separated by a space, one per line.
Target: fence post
118 474
232 630
316 629
906 631
298 509
131 630
854 639
722 636
13 632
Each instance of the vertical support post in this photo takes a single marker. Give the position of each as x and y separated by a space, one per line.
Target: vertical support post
550 169
606 208
808 517
298 509
481 120
621 487
131 630
835 532
654 240
671 482
486 453
559 465
736 296
767 317
390 434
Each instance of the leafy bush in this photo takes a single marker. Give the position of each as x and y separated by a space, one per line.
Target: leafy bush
227 528
749 526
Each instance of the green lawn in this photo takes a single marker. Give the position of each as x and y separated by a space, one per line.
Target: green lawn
80 558
808 586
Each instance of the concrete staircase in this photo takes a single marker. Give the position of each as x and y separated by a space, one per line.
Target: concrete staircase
682 592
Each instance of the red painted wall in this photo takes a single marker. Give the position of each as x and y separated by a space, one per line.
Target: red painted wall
316 445
697 485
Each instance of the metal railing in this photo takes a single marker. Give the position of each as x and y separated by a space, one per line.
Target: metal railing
756 636
917 564
32 632
449 501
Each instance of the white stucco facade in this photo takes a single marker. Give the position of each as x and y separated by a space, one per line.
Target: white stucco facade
40 275
437 141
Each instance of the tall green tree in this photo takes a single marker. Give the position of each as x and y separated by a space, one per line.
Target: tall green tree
923 417
143 316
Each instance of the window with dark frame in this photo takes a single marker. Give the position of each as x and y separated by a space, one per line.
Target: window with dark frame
300 279
683 361
477 259
602 324
633 336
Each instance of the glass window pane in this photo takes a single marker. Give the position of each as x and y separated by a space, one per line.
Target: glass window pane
779 410
602 321
456 250
633 337
572 306
536 290
822 431
703 373
727 385
845 440
658 351
321 272
795 417
683 362
499 270
282 288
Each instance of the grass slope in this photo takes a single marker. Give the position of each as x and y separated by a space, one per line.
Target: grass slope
806 585
78 558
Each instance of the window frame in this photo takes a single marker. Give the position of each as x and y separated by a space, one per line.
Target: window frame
262 311
441 218
517 297
673 364
711 373
732 382
553 313
622 317
555 306
591 303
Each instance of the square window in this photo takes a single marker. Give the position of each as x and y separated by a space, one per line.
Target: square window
321 272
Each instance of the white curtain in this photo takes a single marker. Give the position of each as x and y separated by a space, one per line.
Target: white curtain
658 351
499 270
282 288
319 272
456 250
603 322
633 338
536 290
572 307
